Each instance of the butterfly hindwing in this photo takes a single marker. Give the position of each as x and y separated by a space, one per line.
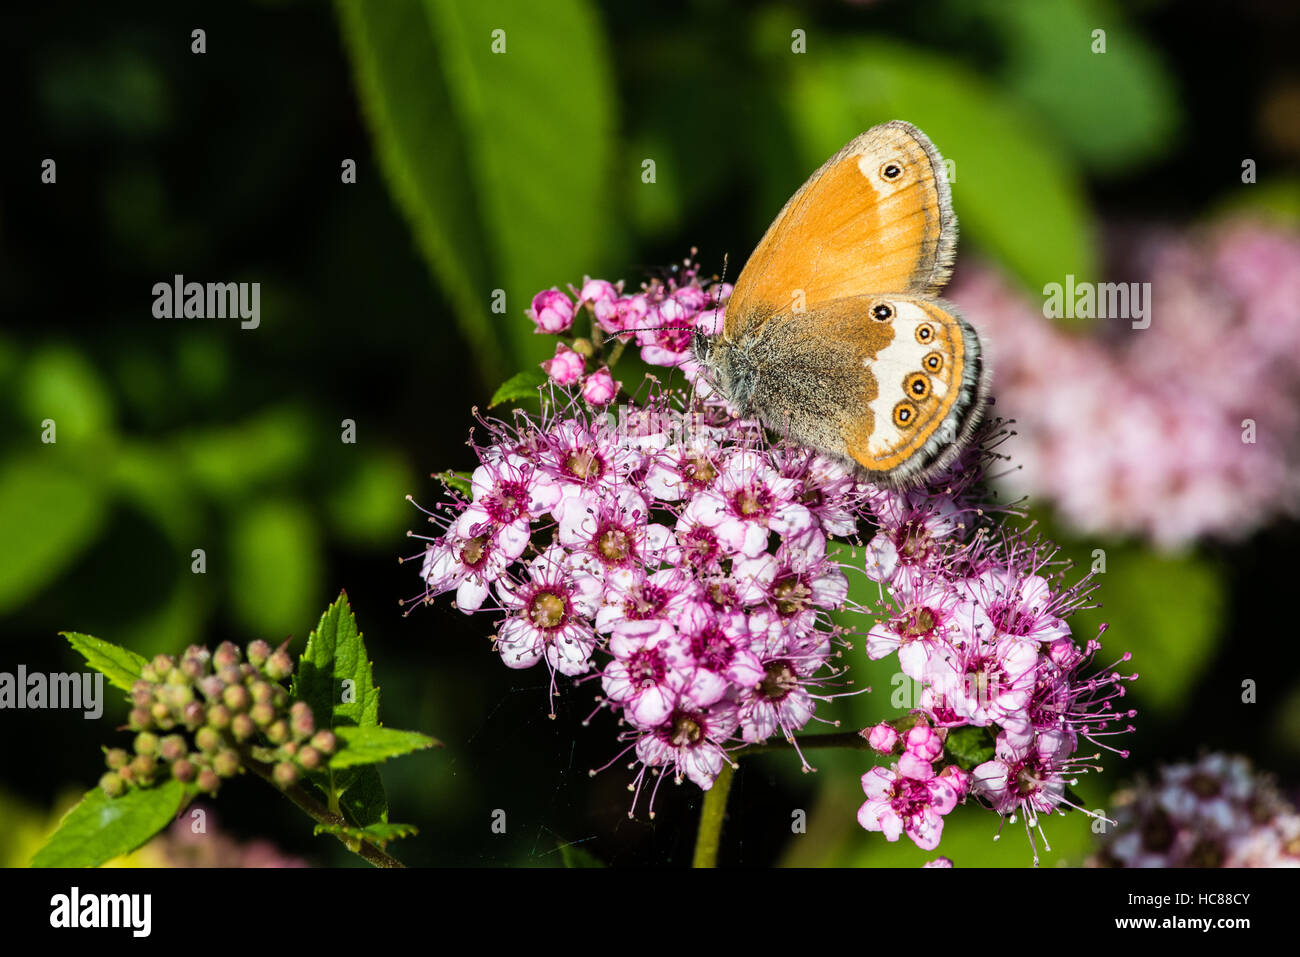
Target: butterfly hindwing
876 216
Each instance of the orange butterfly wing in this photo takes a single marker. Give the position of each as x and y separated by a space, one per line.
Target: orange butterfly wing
854 228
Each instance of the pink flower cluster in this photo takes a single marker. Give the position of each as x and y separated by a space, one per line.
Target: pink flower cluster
977 617
1184 429
1215 812
660 318
673 555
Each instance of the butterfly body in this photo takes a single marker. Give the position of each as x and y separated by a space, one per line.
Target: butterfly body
833 337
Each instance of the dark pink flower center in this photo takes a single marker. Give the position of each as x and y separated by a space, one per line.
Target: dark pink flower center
645 602
712 648
919 623
646 669
752 502
474 552
508 503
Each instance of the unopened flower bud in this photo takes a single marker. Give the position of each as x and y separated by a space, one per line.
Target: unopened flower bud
279 666
882 738
161 665
219 716
142 694
172 748
262 713
143 767
309 758
146 742
116 758
226 763
112 784
184 771
207 739
260 691
193 715
226 655
278 732
324 742
301 719
212 686
285 774
235 697
208 781
139 719
231 675
242 727
160 712
258 652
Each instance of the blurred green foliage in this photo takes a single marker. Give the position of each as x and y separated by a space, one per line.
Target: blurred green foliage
480 171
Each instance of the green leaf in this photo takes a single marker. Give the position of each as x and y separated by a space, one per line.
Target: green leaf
364 800
1036 222
575 855
377 834
275 565
500 161
49 515
370 745
336 654
1113 109
968 746
521 385
120 666
61 384
100 828
460 481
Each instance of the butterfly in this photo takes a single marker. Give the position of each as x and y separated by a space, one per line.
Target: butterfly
834 336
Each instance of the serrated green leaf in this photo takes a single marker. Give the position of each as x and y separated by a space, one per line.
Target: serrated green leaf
521 385
100 828
334 666
377 834
364 800
968 746
460 481
121 666
370 745
575 855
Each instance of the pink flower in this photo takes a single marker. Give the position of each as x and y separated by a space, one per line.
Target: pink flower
567 366
689 742
550 611
599 388
552 311
897 805
883 738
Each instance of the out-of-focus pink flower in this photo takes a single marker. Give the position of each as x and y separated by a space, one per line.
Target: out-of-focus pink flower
1184 429
566 367
1214 812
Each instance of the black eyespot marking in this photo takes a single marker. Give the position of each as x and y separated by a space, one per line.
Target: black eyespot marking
924 333
904 414
917 385
882 312
891 171
932 362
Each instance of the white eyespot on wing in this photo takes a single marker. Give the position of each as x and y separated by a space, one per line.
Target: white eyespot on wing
893 364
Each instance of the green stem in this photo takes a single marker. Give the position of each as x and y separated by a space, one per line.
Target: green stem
322 815
712 815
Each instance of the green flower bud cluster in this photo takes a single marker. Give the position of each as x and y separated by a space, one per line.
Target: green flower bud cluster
197 718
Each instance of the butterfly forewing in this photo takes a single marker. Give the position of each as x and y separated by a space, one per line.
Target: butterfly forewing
876 216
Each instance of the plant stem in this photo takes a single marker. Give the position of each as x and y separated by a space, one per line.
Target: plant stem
712 815
323 815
